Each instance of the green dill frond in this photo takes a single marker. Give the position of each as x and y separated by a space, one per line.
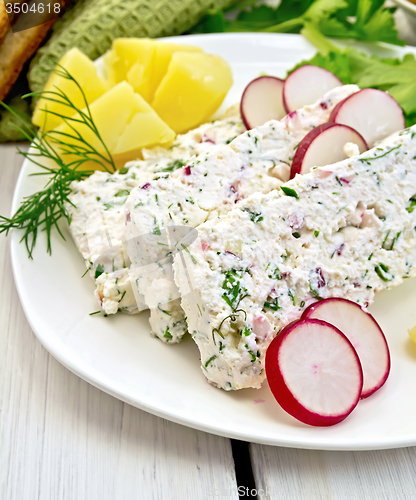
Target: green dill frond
73 143
69 152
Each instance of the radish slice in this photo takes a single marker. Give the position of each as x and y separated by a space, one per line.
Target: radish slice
262 101
363 332
324 145
306 85
314 372
375 114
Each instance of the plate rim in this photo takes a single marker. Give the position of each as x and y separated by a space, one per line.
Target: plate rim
51 345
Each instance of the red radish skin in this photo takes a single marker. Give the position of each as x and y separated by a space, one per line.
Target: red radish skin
324 145
306 85
363 332
373 113
314 372
262 101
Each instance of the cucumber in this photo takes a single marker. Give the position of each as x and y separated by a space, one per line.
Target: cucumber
93 24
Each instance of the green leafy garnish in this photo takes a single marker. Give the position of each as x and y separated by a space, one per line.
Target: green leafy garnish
395 239
272 304
189 253
67 154
396 76
253 356
368 159
163 311
210 360
167 334
122 193
289 191
276 274
383 271
314 292
366 20
99 270
173 166
233 319
412 204
385 239
246 332
233 291
156 228
253 216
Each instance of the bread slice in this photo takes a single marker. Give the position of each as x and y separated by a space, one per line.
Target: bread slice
4 21
15 50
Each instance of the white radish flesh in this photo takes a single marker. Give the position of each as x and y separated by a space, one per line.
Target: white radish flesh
306 85
314 372
363 332
324 145
262 101
371 112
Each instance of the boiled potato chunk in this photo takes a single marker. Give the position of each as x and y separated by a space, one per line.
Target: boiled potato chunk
192 89
161 59
142 62
145 129
124 54
85 73
126 123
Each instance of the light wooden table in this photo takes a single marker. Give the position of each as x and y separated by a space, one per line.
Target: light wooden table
62 439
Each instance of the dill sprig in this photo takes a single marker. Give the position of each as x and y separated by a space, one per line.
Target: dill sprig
68 152
72 143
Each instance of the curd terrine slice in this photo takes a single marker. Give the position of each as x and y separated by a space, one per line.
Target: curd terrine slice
208 186
96 209
343 230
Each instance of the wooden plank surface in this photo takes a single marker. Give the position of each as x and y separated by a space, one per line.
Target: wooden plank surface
284 473
62 439
406 24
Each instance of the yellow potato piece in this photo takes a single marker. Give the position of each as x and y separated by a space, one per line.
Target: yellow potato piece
412 333
125 52
126 123
192 89
139 77
110 61
145 128
142 62
85 73
147 84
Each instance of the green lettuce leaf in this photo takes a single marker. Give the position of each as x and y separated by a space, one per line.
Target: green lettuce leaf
366 20
396 76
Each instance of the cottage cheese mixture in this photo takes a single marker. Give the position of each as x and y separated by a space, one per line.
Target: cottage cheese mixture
97 213
343 230
260 254
207 187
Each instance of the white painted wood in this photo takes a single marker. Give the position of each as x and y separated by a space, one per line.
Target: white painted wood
289 474
62 439
406 24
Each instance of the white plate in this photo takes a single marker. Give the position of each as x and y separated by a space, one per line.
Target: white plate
117 354
409 7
